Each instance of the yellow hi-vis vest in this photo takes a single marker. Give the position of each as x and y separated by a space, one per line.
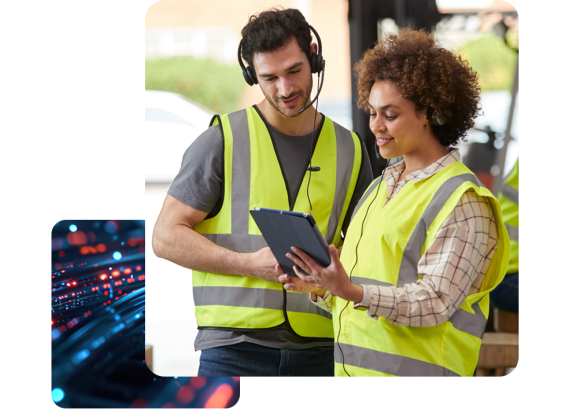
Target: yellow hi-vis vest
395 237
509 200
253 178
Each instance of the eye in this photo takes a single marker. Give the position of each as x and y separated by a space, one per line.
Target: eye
294 72
391 118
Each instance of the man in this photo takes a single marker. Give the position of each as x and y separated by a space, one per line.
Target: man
260 157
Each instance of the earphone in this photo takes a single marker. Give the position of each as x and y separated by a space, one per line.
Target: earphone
435 117
355 264
317 64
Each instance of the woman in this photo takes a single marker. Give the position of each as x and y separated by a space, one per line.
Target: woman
426 244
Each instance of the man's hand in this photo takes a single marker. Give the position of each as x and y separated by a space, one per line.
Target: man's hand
262 264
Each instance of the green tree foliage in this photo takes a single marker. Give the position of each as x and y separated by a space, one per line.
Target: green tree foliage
213 84
493 60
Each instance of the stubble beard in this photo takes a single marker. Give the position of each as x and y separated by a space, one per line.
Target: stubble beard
306 94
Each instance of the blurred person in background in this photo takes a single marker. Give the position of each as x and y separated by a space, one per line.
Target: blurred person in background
506 295
259 157
427 243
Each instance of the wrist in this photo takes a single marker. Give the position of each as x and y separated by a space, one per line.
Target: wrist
354 293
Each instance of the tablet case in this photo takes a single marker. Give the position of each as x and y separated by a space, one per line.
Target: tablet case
283 229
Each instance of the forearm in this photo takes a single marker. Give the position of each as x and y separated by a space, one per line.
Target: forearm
187 248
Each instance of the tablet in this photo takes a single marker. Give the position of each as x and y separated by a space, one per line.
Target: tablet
283 229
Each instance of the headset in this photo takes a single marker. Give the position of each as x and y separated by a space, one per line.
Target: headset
317 65
435 117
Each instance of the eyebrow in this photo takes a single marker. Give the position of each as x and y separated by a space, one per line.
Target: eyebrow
298 64
384 107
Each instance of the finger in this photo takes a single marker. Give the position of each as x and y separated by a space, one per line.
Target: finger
304 277
308 261
279 269
284 278
297 261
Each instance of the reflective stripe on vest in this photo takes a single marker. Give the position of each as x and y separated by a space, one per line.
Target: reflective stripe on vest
251 181
382 348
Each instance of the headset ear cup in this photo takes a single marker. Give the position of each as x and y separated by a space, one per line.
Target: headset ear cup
246 77
252 75
315 63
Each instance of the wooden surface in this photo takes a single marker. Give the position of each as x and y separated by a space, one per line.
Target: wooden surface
498 350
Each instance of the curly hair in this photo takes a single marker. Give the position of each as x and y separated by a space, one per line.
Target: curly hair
427 74
273 29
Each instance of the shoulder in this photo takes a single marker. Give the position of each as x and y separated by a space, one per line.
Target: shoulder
472 211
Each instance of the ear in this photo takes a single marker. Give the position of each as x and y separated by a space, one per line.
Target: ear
313 49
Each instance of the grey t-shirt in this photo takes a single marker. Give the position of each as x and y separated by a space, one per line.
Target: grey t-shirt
199 184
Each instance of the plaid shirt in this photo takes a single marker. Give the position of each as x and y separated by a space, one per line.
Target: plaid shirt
453 266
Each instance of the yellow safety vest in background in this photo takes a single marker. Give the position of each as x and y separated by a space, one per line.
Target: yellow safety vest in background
253 178
394 238
509 200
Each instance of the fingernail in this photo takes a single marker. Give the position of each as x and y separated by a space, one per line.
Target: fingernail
288 255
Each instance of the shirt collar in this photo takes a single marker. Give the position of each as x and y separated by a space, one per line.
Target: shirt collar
451 157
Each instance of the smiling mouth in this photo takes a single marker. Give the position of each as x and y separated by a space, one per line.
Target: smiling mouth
383 141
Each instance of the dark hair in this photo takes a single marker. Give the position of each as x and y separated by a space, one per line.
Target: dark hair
273 29
428 75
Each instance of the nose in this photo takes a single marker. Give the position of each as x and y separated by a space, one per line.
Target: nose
285 87
376 124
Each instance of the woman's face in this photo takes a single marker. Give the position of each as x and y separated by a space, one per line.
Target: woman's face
397 126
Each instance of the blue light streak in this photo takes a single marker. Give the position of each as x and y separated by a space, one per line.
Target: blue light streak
80 356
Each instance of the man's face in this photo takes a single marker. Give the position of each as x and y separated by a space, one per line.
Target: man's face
285 78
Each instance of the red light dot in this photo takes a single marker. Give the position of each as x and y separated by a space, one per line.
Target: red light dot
140 403
185 394
106 293
74 283
198 382
70 324
104 303
68 284
101 247
61 253
115 273
127 270
117 298
119 292
139 268
52 322
103 276
141 278
62 271
109 301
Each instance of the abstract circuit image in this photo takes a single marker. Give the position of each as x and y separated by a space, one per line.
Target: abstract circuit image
98 304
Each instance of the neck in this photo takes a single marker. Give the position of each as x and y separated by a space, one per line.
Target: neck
293 126
423 158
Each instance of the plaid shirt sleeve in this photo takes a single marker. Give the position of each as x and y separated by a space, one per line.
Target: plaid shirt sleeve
453 266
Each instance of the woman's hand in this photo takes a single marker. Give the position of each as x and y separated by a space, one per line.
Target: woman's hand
334 277
296 284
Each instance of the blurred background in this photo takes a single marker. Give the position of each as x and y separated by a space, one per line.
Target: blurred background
191 73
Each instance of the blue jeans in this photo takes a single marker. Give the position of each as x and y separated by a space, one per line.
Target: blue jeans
247 359
506 295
